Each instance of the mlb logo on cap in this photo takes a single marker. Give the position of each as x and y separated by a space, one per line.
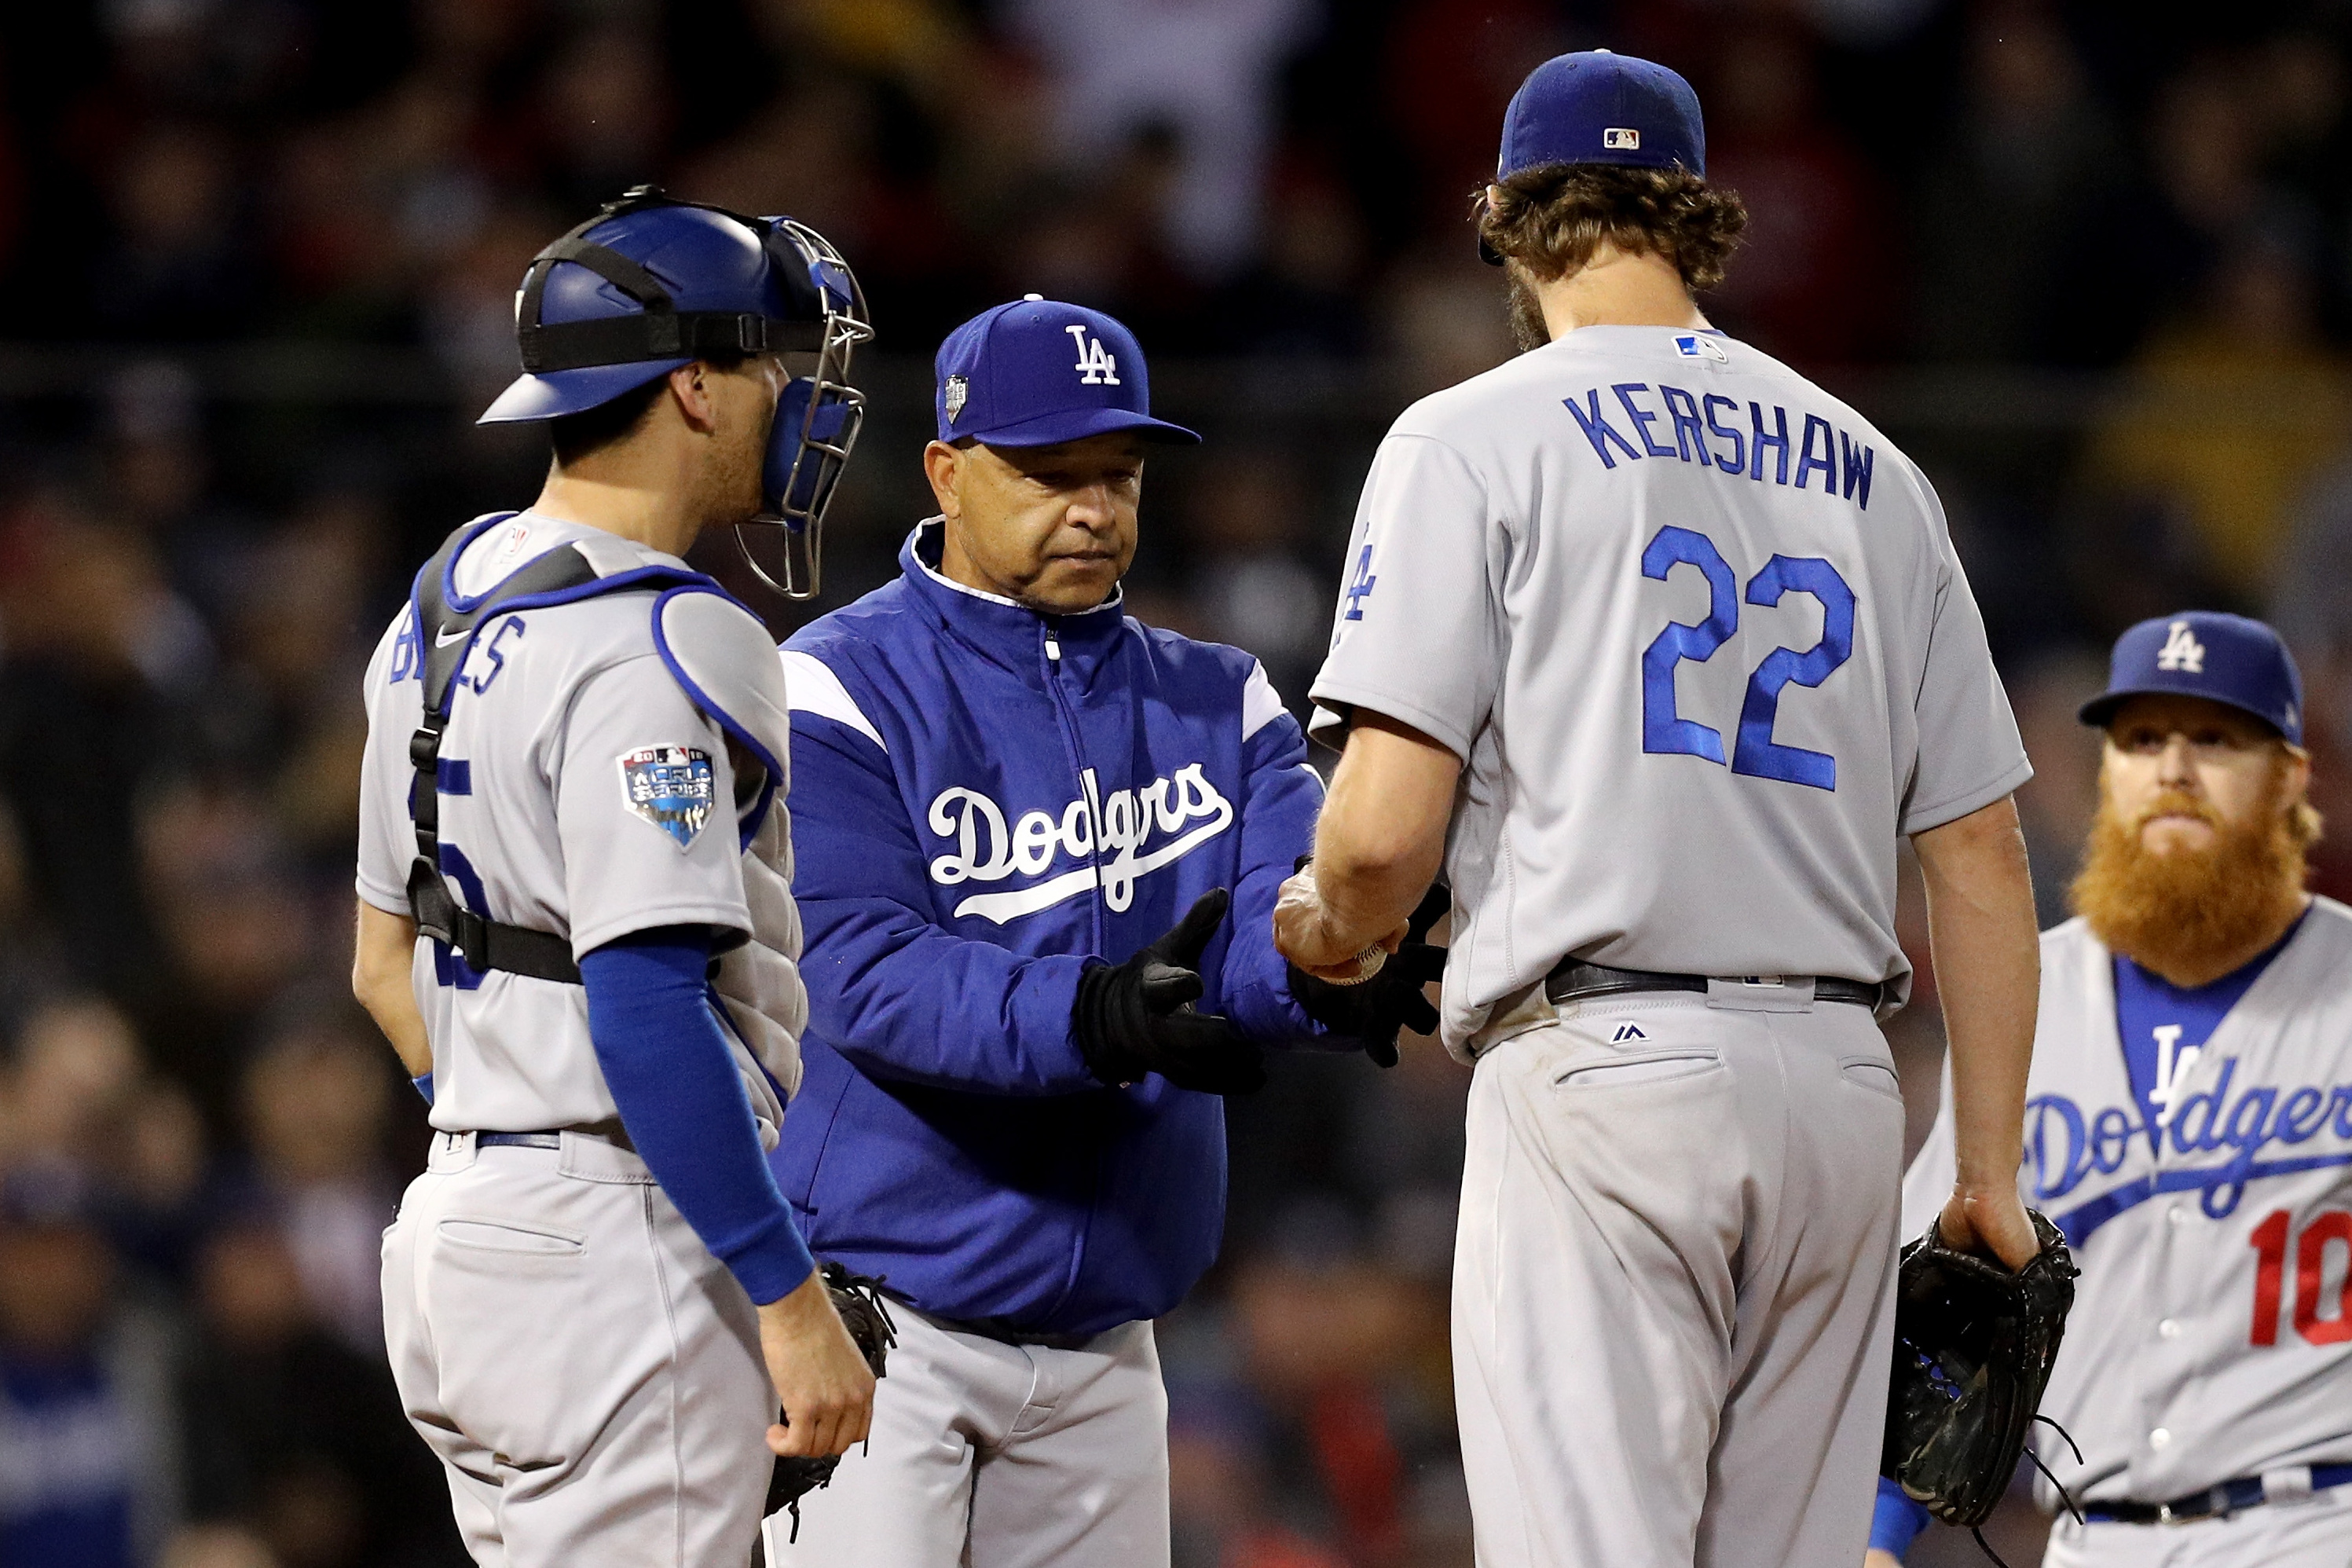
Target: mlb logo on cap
2205 653
1595 106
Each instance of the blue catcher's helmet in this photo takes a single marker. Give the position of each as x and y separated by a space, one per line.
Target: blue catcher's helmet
651 283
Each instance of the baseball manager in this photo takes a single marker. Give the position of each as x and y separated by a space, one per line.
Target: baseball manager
1021 819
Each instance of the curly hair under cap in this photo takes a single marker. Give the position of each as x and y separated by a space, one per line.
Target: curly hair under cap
1550 219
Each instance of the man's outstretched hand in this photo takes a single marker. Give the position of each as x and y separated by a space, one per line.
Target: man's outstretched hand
1137 1017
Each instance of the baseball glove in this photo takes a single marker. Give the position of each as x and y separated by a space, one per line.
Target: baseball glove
859 1302
1973 1345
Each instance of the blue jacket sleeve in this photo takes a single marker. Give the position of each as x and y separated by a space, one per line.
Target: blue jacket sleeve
1281 797
674 1080
898 996
1896 1522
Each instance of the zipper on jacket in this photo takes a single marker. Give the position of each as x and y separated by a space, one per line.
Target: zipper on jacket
1071 744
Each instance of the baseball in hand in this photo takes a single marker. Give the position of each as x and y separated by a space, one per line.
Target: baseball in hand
1300 934
1354 971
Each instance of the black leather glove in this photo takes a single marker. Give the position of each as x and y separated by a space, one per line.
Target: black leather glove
1373 1010
1137 1017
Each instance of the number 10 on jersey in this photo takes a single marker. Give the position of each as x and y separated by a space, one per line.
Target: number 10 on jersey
2315 1319
1755 754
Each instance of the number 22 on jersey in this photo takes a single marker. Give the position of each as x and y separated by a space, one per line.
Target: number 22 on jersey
1755 752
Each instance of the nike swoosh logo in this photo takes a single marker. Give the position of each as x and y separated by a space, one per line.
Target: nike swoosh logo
443 639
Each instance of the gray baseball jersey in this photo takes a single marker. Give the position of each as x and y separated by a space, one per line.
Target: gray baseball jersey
586 793
1699 634
2211 1335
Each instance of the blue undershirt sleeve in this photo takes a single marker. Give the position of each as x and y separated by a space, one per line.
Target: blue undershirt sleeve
675 1081
1896 1522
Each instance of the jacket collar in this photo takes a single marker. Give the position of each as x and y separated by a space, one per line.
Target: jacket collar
1008 633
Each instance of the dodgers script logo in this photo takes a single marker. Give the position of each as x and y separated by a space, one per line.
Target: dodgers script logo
2231 1126
1120 826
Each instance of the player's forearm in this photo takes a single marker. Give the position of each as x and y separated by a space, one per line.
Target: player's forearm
675 1082
1988 971
383 949
1381 836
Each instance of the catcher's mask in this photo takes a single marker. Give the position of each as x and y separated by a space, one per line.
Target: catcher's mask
651 283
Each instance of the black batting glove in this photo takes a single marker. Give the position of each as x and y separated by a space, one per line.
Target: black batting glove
1373 1011
1137 1017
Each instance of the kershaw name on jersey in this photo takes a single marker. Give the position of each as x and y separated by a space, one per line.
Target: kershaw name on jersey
2211 1337
985 799
1690 623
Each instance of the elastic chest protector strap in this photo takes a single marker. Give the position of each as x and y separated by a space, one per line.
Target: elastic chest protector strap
446 624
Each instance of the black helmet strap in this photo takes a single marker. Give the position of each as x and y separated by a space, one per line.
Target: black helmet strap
660 330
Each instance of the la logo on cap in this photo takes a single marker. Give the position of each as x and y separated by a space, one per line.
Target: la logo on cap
1096 365
2181 650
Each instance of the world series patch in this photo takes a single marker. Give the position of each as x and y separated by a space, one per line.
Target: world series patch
671 788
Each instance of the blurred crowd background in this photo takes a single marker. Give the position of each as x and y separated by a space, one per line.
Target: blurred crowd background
2091 263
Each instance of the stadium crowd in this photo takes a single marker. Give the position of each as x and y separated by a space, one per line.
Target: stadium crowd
256 270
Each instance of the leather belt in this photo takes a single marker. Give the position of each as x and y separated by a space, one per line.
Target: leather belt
517 1140
552 1138
2213 1503
997 1329
1572 979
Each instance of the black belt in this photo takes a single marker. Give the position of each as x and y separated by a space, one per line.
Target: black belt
1572 979
552 1138
997 1329
517 1140
2213 1503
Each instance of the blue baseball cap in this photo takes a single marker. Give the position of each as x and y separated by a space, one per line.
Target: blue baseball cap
1594 107
1037 372
2204 653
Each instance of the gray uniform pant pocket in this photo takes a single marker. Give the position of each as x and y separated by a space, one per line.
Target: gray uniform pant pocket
1673 1285
588 1374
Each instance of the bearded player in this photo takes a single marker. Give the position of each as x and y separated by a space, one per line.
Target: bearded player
2189 1129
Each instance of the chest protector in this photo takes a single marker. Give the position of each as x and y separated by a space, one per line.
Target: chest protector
722 659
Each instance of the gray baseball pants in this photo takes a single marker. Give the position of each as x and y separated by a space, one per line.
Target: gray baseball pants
589 1374
1674 1283
988 1455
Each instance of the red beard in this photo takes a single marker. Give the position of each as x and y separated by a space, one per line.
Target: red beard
2177 914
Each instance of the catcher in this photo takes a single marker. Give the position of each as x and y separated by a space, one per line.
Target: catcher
2190 1130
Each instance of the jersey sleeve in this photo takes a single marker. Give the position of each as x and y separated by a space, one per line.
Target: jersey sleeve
1970 754
387 834
1417 633
1282 795
643 808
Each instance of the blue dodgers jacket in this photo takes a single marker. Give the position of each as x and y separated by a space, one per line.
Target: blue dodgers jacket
984 799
